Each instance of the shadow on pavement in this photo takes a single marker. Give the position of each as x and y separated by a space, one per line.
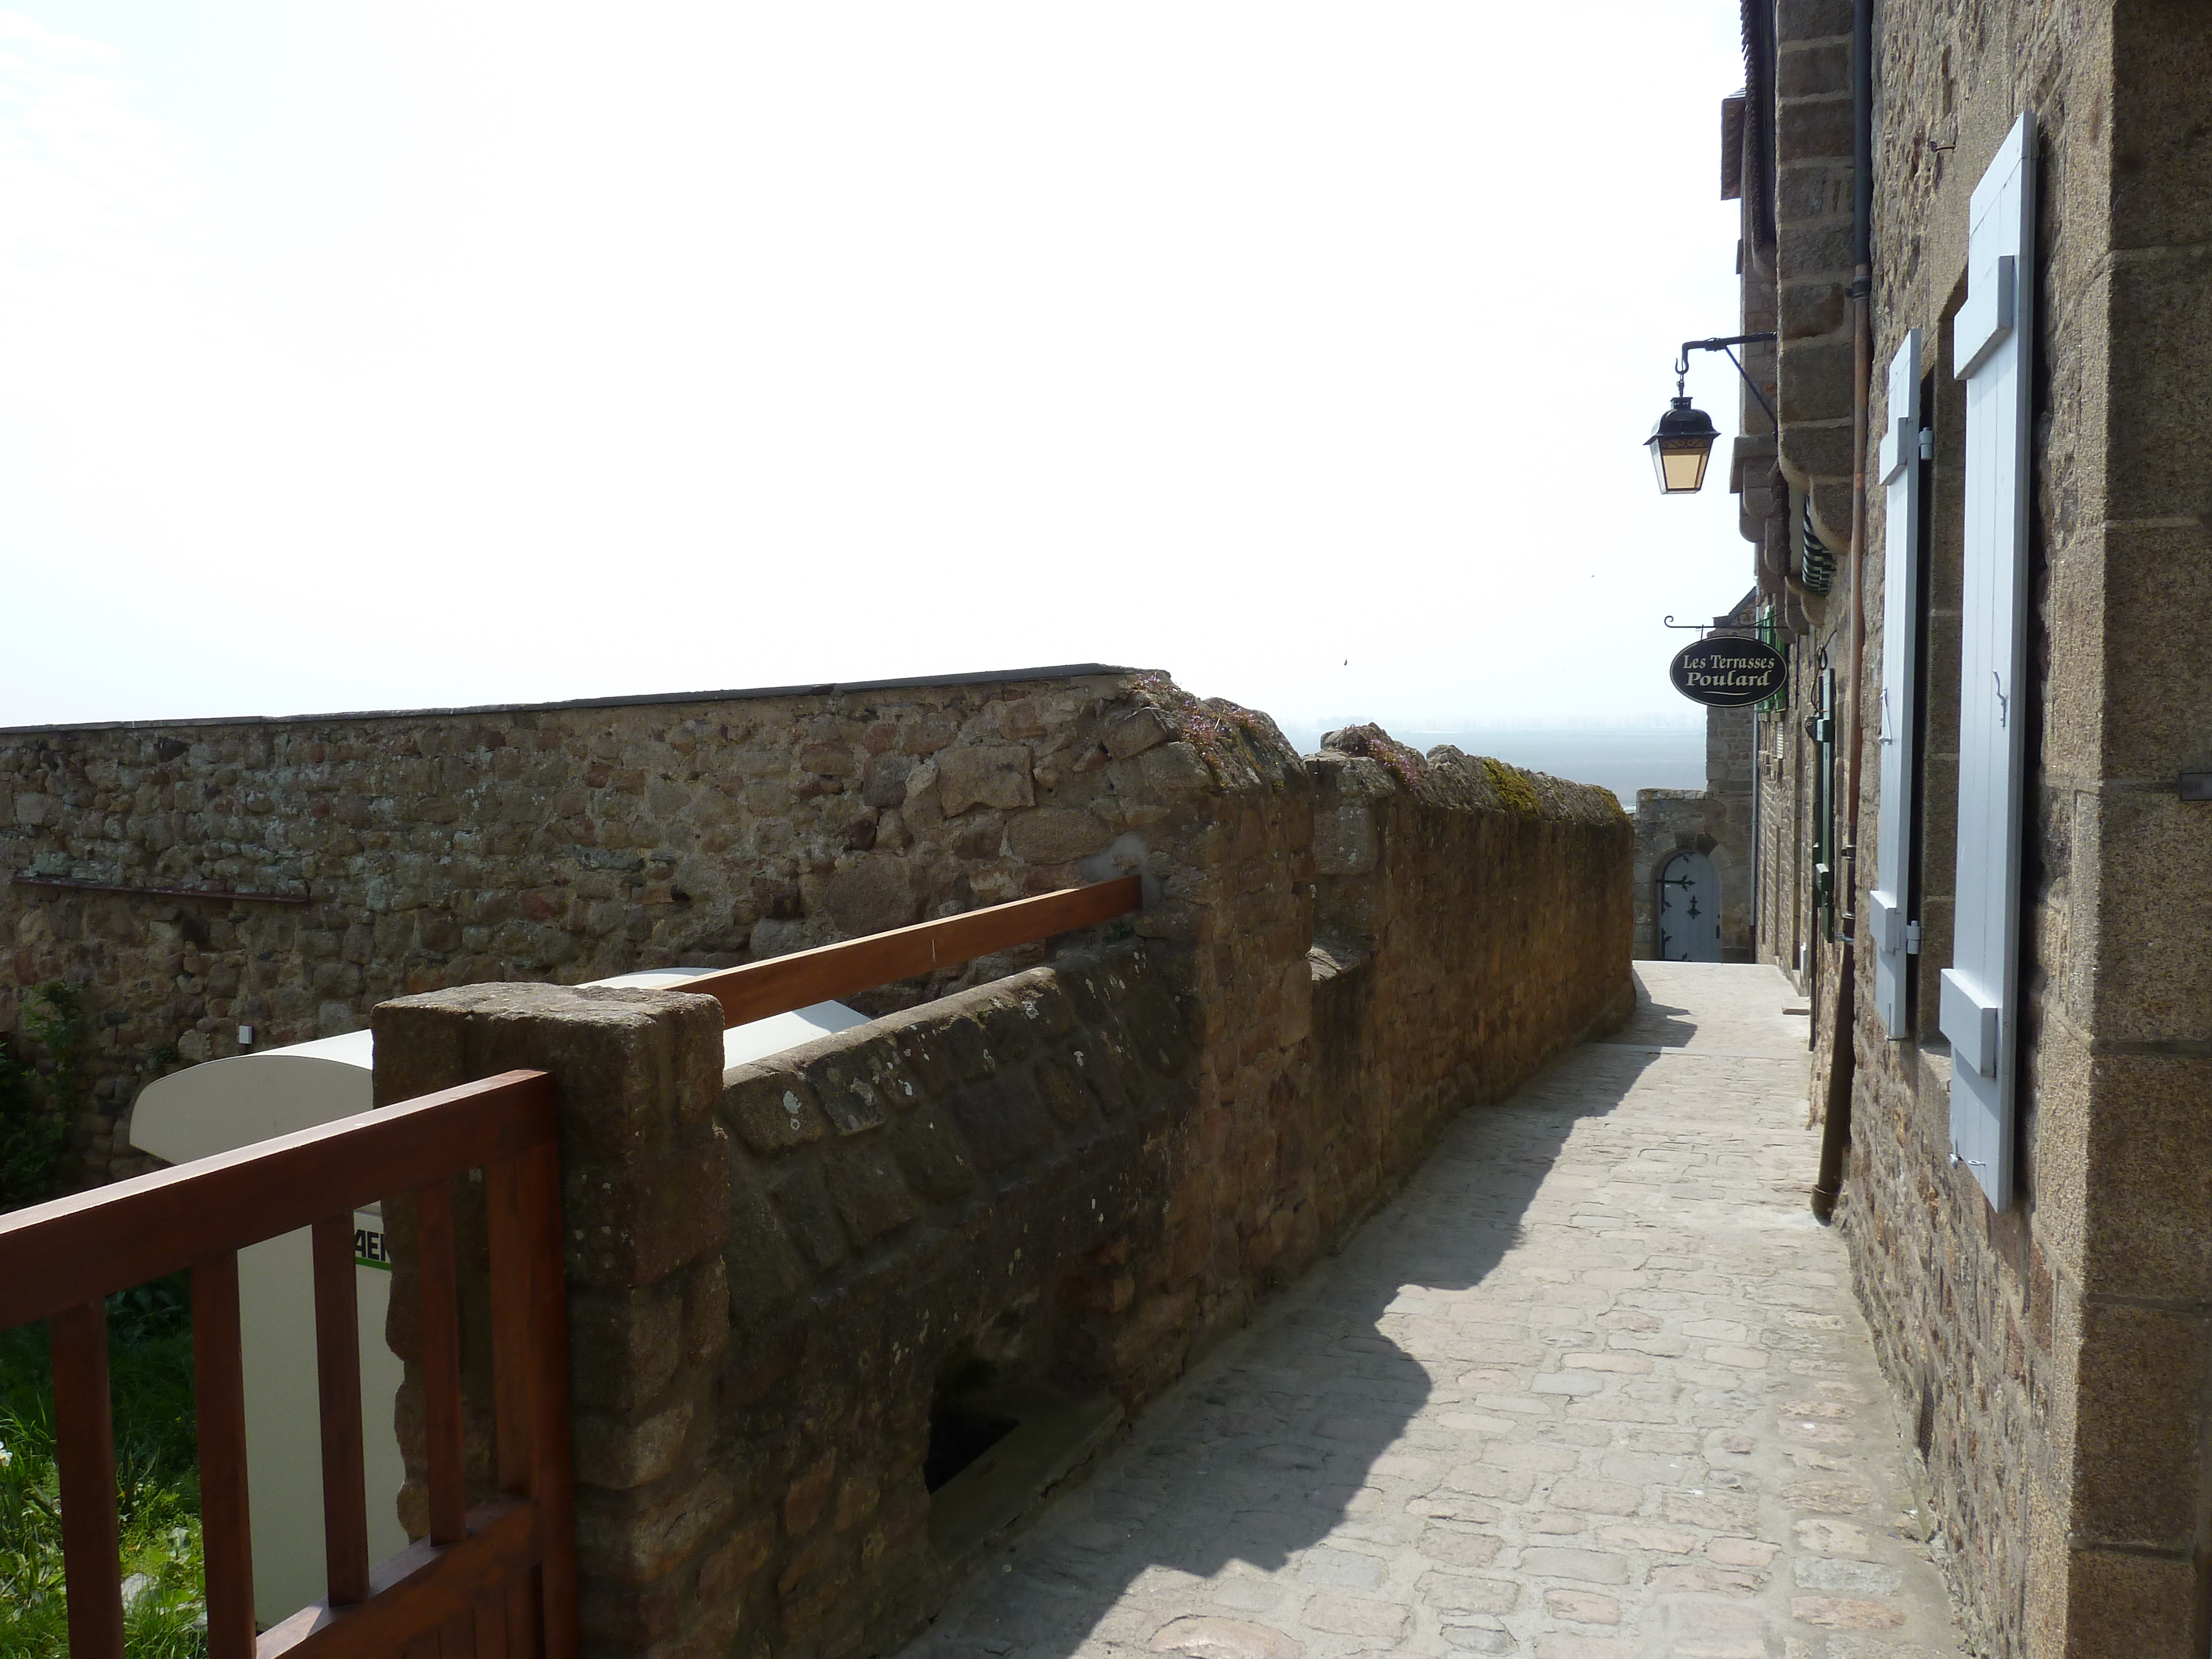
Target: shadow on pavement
1265 1449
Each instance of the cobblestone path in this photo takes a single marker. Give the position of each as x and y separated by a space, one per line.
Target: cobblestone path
1595 1387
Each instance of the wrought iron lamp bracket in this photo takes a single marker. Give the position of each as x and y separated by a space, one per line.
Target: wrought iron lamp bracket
1722 343
1749 630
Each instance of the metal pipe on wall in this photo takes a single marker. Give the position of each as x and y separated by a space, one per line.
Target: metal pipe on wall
1843 1041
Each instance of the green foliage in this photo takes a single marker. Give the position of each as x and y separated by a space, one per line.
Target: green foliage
53 1017
157 1483
34 1109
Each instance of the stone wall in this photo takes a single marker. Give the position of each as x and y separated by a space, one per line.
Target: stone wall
1042 1197
1470 920
2055 1356
936 1213
1719 820
569 843
2051 1360
1812 267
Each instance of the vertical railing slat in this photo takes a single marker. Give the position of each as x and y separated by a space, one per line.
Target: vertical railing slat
524 1625
338 1377
551 1452
457 1637
91 1542
441 1362
491 1624
219 1404
510 1327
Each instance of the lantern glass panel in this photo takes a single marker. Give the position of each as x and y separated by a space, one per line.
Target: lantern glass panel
1680 463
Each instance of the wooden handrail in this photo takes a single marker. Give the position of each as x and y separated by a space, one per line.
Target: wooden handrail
77 1250
782 984
446 1582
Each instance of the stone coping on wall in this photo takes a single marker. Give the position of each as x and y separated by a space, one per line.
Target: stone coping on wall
818 689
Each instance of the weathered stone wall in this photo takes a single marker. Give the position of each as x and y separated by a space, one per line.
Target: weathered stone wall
1079 1177
570 842
1471 919
976 1186
2057 1353
1083 1174
2050 1359
1783 915
1729 776
1812 268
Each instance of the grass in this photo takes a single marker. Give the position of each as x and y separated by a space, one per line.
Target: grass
157 1481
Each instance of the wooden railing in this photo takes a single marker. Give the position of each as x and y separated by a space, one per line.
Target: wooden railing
806 977
492 1582
497 1581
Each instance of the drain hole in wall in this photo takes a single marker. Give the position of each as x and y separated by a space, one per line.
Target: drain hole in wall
959 1433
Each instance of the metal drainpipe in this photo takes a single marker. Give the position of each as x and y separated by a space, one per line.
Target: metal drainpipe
1836 1129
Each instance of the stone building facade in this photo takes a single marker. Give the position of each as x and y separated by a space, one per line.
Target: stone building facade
1717 824
2047 1324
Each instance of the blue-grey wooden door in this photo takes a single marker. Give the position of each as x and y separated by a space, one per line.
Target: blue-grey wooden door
1689 909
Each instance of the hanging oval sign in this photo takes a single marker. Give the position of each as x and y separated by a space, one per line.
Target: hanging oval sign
1728 673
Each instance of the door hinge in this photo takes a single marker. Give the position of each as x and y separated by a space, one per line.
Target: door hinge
1912 938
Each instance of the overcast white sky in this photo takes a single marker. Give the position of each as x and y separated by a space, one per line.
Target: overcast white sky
411 354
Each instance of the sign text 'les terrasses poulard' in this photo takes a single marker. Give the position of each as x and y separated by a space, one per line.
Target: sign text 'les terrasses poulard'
1728 673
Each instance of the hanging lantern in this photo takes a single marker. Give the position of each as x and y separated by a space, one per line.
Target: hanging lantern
1680 443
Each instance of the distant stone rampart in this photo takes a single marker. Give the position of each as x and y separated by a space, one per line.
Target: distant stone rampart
567 842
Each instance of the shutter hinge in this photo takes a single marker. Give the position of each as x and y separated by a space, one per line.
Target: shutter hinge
1912 938
1927 443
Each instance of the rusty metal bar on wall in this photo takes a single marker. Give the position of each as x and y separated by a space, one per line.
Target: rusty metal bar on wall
221 893
799 981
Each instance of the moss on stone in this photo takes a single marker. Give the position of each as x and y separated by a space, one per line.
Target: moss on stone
1516 792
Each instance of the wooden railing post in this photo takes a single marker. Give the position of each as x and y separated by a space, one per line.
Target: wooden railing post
548 1351
219 1405
338 1379
441 1362
84 1424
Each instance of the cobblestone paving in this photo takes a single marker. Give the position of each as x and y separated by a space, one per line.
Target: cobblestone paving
1594 1387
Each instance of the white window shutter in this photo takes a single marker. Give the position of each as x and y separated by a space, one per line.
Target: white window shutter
1888 905
1993 344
